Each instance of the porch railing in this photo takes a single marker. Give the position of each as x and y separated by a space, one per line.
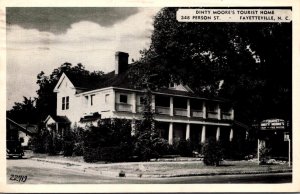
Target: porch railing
180 112
197 113
162 110
226 115
212 115
123 107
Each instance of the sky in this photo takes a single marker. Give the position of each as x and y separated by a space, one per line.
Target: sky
41 39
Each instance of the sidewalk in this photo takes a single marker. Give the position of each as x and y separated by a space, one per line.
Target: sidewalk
164 169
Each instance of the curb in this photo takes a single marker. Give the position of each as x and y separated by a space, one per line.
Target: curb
56 162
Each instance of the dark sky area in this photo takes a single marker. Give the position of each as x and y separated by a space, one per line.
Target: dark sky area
58 19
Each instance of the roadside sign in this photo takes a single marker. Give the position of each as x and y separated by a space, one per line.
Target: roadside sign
272 124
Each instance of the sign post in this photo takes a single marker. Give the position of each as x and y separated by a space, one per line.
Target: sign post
258 150
288 139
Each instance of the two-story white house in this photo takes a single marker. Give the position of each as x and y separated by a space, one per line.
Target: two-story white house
179 112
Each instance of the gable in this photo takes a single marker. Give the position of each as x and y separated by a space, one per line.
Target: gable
180 87
63 83
49 120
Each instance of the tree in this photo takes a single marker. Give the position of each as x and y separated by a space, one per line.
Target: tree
24 112
143 75
46 100
249 63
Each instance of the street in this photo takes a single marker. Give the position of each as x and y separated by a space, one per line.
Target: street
37 172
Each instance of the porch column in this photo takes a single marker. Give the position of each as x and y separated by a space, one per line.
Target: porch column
171 133
133 127
153 103
203 134
188 131
232 114
218 134
231 135
219 111
188 108
56 127
113 105
204 109
133 103
171 106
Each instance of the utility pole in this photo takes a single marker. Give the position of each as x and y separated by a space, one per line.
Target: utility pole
289 140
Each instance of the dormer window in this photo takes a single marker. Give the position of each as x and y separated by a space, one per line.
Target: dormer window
172 85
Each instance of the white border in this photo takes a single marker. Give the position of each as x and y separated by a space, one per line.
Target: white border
295 186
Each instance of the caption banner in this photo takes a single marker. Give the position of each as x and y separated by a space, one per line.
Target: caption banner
234 15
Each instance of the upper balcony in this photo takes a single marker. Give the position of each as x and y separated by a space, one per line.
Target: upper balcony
179 106
226 116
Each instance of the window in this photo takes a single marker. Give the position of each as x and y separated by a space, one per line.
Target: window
92 98
65 103
106 98
86 100
123 99
211 107
172 85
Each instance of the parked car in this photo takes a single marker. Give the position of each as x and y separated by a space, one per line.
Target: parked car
14 149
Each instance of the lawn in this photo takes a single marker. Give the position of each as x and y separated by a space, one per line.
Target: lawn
191 168
174 168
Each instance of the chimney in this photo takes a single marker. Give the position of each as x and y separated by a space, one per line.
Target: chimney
121 62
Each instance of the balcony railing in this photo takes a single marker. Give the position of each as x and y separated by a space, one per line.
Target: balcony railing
226 116
197 113
212 115
162 110
180 112
123 107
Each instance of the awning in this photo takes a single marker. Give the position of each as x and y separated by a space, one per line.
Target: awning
90 117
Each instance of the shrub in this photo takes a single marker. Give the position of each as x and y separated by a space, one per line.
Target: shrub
78 149
79 135
91 155
212 152
183 147
162 147
68 142
110 141
122 173
38 142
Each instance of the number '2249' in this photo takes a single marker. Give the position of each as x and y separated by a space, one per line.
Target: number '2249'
19 178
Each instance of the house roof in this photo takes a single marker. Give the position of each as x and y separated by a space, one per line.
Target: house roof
33 129
59 119
30 128
86 83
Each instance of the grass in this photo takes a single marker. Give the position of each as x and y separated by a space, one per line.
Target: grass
180 168
174 168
